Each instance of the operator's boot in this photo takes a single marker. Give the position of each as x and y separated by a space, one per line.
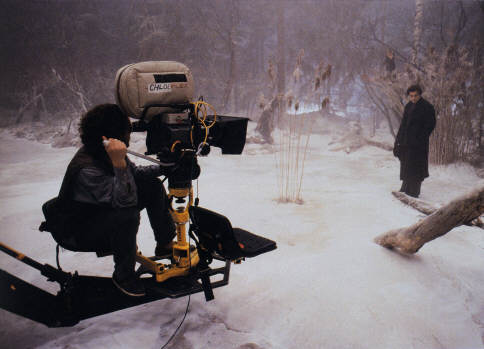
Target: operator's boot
164 250
131 286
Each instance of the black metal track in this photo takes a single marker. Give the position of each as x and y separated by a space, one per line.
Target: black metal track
24 299
84 297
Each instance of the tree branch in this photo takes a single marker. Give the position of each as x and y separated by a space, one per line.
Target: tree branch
404 59
458 212
427 208
383 109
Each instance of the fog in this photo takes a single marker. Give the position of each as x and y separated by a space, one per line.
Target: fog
229 45
337 71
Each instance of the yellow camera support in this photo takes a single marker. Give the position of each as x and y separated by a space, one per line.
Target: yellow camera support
184 256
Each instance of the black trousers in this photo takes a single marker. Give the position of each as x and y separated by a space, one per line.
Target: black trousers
115 229
411 187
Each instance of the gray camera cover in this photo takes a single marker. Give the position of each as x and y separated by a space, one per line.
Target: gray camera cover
158 82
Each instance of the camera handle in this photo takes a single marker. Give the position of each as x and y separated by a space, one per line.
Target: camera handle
139 155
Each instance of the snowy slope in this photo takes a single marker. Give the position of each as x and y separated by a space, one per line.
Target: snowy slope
326 286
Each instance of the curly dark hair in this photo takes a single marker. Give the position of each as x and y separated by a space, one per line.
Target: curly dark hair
104 120
413 88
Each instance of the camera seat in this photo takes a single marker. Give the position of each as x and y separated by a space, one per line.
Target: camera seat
70 244
54 225
215 233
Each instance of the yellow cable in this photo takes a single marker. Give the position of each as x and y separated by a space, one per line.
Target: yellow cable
203 107
206 132
173 146
204 111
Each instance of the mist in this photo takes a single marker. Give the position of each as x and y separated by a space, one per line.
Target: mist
324 84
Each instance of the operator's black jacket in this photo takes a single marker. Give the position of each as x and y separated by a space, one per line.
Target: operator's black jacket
62 213
65 214
412 141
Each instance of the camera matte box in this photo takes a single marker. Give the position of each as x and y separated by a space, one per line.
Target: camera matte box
139 85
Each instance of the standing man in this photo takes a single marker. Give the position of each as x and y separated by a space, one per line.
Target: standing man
412 141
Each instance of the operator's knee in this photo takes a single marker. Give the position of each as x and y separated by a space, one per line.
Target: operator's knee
108 228
150 192
150 185
128 215
124 226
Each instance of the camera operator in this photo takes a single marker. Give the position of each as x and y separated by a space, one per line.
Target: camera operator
103 193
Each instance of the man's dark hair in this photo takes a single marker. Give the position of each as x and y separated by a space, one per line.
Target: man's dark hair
414 88
103 120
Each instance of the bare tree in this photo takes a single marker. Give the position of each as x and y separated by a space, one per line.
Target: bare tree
231 43
281 54
417 31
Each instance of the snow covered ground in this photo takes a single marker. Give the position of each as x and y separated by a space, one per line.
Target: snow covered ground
326 286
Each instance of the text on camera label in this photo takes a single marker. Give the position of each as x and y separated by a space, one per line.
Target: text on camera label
159 87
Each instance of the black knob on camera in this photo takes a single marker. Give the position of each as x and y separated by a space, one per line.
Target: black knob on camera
204 149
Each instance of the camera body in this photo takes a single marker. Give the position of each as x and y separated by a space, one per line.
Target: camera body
180 129
159 95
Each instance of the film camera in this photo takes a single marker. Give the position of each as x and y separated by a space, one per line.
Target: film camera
177 130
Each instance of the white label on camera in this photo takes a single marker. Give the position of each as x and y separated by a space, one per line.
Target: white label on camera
159 87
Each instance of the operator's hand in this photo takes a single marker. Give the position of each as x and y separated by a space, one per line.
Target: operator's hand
116 151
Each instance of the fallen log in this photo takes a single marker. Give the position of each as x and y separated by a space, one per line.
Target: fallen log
354 140
428 208
381 145
461 210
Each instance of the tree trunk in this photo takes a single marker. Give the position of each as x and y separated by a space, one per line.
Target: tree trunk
481 138
384 21
458 212
22 110
417 31
260 66
281 57
231 78
373 125
232 67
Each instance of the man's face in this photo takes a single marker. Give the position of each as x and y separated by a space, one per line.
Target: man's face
413 96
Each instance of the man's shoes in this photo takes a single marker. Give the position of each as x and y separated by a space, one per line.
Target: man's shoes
164 250
132 286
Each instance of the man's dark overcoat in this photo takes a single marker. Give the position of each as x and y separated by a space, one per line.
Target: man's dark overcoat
412 141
